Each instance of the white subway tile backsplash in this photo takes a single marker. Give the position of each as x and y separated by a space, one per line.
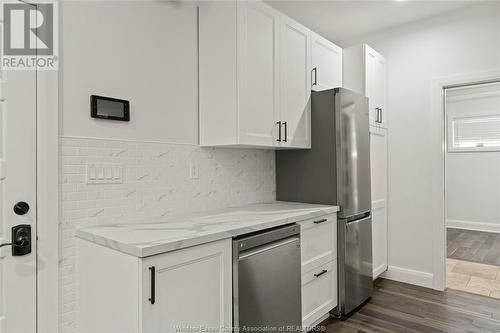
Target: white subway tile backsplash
156 183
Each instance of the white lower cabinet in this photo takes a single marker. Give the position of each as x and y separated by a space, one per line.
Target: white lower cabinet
319 292
378 161
319 268
170 292
191 288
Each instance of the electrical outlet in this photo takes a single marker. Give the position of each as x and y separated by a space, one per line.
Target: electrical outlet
194 171
104 173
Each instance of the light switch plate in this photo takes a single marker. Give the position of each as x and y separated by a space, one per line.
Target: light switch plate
194 171
104 173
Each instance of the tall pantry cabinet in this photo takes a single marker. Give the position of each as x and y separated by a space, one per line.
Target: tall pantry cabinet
365 72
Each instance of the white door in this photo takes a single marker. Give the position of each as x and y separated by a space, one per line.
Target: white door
17 185
192 288
258 29
326 63
378 157
295 102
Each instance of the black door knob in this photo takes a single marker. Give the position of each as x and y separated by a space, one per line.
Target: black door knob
21 208
21 240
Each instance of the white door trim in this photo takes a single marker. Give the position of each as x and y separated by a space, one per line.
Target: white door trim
438 151
48 244
47 202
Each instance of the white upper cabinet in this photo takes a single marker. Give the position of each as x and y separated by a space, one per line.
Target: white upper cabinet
255 68
326 63
295 79
238 68
257 74
365 72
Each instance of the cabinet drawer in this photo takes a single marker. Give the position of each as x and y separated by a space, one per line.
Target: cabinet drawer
319 292
318 241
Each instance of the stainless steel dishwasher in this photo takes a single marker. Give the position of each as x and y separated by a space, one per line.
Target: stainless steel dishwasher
266 281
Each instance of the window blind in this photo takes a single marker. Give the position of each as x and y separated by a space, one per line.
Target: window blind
476 132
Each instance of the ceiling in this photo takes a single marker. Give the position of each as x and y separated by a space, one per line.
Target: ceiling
345 21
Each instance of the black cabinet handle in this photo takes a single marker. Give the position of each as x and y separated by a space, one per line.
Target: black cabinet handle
315 70
320 221
152 299
380 110
286 134
279 131
321 273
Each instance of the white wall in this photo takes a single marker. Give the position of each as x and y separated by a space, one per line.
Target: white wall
473 178
142 51
473 190
461 42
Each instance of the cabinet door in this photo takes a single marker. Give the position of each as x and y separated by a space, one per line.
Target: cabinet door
326 64
381 84
258 70
378 156
376 86
319 292
295 102
371 89
192 288
318 237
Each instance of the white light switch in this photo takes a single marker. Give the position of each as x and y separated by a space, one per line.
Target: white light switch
117 174
194 172
91 173
104 173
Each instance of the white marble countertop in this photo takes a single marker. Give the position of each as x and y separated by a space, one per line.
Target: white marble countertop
147 239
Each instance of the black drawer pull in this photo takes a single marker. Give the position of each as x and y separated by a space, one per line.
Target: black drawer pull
320 221
321 273
152 298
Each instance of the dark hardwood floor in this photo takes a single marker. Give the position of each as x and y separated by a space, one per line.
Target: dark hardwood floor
399 307
477 246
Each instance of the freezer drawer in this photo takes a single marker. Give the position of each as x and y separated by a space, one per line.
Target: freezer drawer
355 263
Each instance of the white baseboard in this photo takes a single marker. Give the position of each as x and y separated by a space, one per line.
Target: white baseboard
472 225
379 270
319 321
409 276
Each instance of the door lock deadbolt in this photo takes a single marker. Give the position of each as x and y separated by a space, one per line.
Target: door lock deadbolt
21 208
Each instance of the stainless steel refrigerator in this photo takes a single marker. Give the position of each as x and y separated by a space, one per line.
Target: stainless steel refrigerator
336 171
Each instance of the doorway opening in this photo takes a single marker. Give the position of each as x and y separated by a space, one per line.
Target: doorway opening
472 188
